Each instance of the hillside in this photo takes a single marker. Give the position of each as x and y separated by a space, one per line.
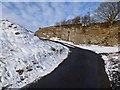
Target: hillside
25 58
96 33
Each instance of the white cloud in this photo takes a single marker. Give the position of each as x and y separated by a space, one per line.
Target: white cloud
39 14
23 17
35 15
30 16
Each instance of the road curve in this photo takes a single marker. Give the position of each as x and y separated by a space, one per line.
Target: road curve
82 69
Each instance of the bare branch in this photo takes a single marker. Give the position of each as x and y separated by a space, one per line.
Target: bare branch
108 11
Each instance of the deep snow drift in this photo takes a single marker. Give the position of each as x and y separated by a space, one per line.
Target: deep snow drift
25 58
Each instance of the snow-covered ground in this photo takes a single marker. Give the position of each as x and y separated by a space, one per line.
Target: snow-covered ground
25 58
111 57
112 66
95 48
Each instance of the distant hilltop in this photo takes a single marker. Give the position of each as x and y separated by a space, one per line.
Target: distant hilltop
96 33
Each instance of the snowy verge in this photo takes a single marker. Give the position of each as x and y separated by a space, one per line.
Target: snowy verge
95 48
111 57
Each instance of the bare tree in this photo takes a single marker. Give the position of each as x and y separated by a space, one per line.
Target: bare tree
108 11
69 21
57 23
88 16
76 20
85 20
92 19
64 22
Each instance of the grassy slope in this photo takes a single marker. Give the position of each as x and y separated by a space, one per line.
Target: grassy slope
97 33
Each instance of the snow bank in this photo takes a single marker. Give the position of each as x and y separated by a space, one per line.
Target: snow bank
95 48
25 58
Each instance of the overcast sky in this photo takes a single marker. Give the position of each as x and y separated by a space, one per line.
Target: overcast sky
33 15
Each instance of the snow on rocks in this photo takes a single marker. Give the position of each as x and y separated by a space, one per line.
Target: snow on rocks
25 58
112 66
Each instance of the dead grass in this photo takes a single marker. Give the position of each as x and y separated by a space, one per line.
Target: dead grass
96 33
